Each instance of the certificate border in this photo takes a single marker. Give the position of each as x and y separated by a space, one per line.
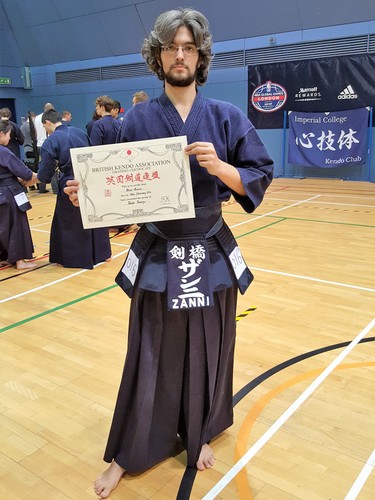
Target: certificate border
83 160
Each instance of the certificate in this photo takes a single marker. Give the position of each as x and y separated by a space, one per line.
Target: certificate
133 182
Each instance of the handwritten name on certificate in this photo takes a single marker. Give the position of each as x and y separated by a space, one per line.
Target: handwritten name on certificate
131 182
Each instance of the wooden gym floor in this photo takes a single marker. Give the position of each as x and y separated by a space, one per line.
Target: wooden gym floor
304 380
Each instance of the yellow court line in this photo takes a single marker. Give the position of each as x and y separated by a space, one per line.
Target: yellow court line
245 313
242 484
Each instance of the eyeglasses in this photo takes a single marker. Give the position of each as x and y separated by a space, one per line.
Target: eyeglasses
172 49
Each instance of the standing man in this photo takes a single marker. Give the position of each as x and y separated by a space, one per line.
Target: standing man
66 117
16 136
30 143
41 136
116 110
104 131
139 96
70 244
178 372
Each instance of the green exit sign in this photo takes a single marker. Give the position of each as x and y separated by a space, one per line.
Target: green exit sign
4 80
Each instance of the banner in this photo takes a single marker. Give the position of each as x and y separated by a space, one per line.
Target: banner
329 139
314 85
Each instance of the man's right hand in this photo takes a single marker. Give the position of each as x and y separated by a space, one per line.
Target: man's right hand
71 190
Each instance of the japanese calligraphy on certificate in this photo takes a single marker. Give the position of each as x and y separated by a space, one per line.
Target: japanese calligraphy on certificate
133 182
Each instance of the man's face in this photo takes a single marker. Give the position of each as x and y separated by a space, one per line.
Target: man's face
48 127
4 138
100 110
180 65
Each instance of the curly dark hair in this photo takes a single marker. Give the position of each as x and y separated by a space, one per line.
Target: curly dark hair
164 31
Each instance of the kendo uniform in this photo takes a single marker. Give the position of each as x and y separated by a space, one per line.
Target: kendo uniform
104 131
70 244
15 236
16 139
178 371
89 125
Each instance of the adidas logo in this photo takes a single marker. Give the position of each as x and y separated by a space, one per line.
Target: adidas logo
347 93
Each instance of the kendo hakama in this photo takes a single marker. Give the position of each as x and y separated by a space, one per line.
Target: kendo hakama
177 379
15 236
70 244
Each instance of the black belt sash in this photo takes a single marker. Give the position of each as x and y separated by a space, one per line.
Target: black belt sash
180 236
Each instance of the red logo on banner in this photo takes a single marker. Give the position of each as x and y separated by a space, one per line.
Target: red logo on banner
269 97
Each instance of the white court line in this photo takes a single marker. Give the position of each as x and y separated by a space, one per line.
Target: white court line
317 280
331 203
362 478
296 275
255 268
41 230
227 478
84 270
286 191
58 281
276 211
119 244
33 226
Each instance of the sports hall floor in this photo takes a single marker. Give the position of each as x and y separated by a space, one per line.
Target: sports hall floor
304 385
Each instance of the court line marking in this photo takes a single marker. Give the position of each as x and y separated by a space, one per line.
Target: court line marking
242 478
331 203
84 270
335 195
235 225
276 211
40 230
303 201
362 478
120 244
318 280
308 278
59 280
227 478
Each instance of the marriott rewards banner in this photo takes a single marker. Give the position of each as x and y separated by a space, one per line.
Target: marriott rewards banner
314 85
328 139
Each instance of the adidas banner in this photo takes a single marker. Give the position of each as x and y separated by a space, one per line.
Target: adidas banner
328 139
316 85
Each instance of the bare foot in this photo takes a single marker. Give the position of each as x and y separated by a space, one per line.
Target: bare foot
22 264
206 458
109 259
108 481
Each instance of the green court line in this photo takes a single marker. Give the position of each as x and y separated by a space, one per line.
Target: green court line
85 297
327 222
54 309
260 228
67 304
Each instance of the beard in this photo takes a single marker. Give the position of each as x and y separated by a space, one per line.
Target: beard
180 80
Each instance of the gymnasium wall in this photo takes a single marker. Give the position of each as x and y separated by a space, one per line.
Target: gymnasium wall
230 84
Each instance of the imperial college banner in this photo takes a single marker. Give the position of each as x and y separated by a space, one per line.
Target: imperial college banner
328 139
313 85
